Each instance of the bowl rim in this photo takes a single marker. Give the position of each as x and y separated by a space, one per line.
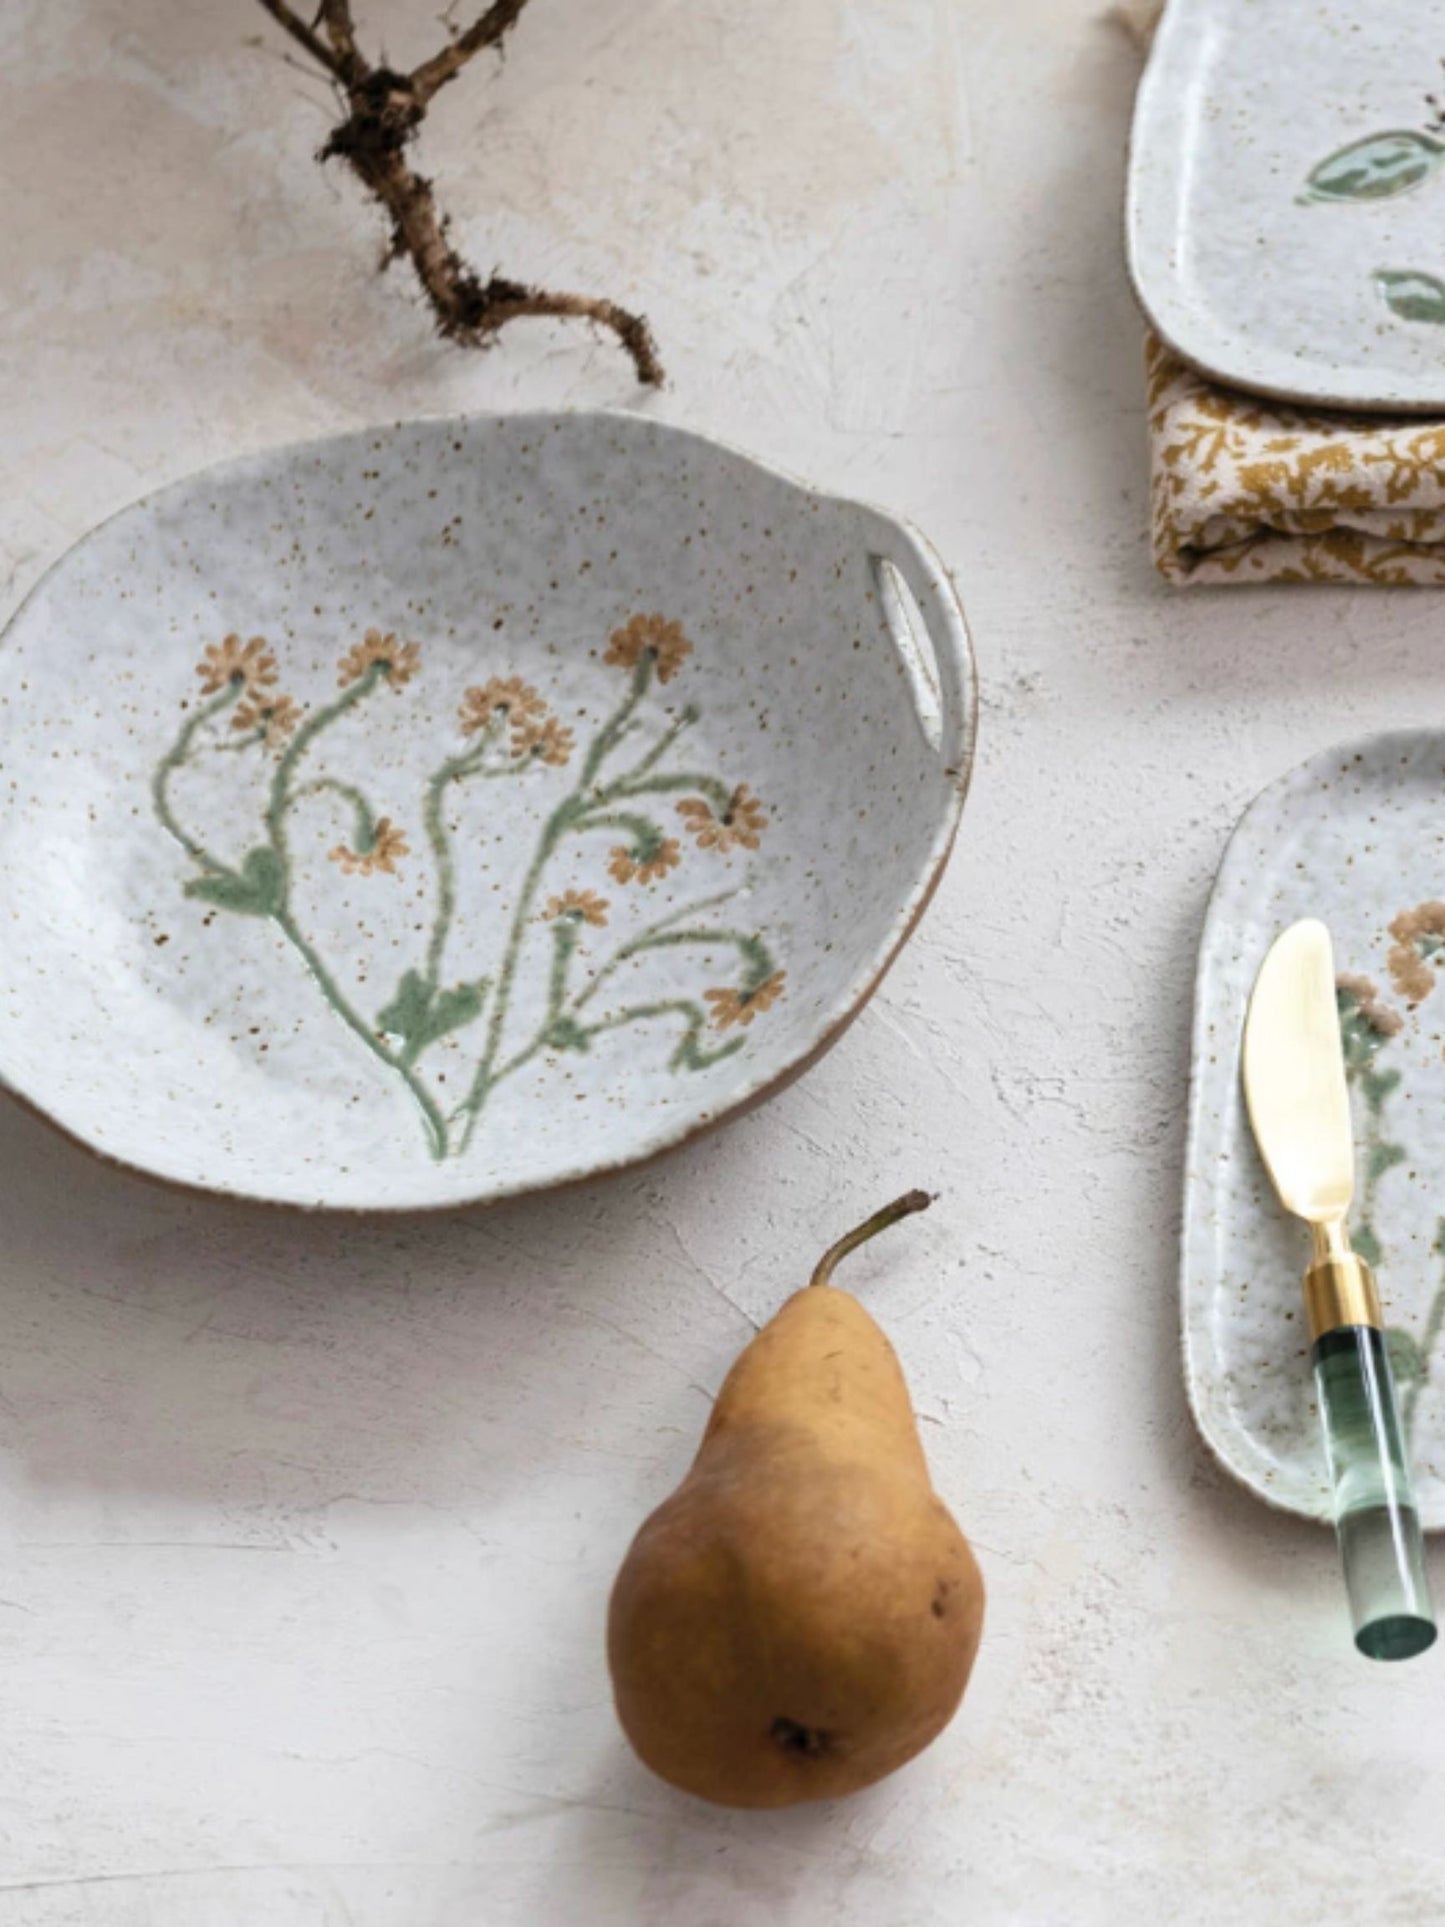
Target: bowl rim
898 542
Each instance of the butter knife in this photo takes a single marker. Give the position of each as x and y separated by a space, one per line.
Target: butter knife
1294 1084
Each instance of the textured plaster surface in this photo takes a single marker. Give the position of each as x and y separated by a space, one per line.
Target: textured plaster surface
306 1527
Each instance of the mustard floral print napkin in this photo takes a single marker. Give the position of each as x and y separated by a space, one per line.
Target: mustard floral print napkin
1245 490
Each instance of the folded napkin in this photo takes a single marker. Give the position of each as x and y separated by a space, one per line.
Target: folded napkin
1246 490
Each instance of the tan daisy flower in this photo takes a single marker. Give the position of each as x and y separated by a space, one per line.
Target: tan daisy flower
630 868
1425 920
548 741
1409 973
250 665
1418 934
387 845
1381 1019
518 699
399 659
740 825
731 1007
665 639
277 716
585 905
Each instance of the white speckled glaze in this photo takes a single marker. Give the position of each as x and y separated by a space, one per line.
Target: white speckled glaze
1246 269
1355 836
273 907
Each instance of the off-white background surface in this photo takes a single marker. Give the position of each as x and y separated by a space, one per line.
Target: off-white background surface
306 1528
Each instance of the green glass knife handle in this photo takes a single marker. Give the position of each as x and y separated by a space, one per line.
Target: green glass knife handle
1374 1501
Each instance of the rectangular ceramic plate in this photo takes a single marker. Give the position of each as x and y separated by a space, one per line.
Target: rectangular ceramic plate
1357 837
1287 197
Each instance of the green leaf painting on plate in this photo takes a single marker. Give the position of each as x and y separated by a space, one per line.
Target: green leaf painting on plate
255 890
1377 168
1411 295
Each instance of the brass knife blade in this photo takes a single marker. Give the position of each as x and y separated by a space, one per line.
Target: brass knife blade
1294 1076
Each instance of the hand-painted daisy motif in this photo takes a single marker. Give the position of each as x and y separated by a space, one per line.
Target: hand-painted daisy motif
384 847
547 741
731 1007
275 717
509 696
536 989
1419 942
664 641
241 665
583 906
646 862
397 660
739 826
1358 997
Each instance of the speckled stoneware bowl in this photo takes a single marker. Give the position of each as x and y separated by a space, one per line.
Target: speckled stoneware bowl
433 814
1287 198
1355 836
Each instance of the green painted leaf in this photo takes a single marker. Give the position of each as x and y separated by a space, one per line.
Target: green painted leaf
757 962
1383 1158
452 1009
694 1055
1412 296
1407 1361
255 891
406 1013
1375 168
1377 1085
566 1034
1367 1245
419 1015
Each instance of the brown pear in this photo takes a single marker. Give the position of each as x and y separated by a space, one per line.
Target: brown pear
801 1616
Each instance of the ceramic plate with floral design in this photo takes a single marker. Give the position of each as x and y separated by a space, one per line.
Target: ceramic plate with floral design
433 814
1287 197
1355 836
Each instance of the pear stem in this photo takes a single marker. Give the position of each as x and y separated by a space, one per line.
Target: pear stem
903 1207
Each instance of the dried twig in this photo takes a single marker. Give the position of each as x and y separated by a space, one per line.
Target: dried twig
384 109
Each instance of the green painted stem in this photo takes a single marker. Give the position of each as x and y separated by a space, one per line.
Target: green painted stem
664 742
456 770
611 733
330 785
661 1007
282 800
434 820
694 1028
567 815
687 783
659 936
332 992
554 830
564 944
642 832
281 796
174 759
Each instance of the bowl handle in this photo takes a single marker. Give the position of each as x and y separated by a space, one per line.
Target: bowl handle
945 631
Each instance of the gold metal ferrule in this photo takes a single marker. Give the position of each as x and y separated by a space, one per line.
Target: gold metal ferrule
1339 1287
